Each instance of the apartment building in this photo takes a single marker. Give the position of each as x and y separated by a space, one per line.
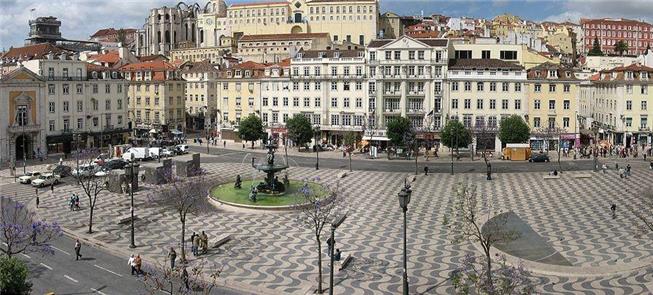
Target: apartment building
482 92
238 93
553 96
616 104
273 48
22 131
275 83
200 101
518 53
637 34
86 103
330 88
406 78
155 97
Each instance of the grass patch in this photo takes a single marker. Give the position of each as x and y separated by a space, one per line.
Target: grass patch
226 192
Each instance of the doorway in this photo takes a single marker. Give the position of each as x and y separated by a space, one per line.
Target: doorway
23 147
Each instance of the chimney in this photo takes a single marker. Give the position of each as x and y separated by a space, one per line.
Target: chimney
123 52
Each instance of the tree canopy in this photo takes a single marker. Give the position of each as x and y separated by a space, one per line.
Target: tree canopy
13 276
251 128
398 128
620 47
513 129
455 135
596 48
299 130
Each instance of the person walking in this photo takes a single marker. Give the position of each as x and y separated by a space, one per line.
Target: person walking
132 263
37 201
193 249
184 278
173 256
613 209
52 187
138 263
426 170
205 242
196 245
78 248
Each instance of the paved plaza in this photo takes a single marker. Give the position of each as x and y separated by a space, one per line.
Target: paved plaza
272 253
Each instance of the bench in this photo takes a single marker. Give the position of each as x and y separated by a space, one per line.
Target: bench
126 219
551 176
221 240
584 175
346 262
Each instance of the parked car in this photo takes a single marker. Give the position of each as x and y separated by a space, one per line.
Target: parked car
104 171
182 149
140 153
115 164
62 171
29 176
46 179
541 157
85 170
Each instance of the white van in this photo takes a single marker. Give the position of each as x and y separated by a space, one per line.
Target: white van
140 153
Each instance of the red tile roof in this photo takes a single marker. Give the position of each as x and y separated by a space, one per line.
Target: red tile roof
111 31
282 37
37 51
155 65
258 4
97 68
631 68
110 57
250 65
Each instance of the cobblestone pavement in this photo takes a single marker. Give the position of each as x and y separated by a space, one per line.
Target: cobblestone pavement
271 250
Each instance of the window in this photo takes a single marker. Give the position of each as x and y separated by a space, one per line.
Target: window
334 102
454 86
629 122
95 89
411 54
538 87
508 54
250 102
468 86
265 102
552 88
334 85
493 86
629 89
629 105
66 106
307 86
643 105
517 87
307 102
420 55
504 86
107 104
318 102
566 104
51 125
80 123
107 88
66 89
565 122
335 120
566 88
295 101
480 86
51 73
463 54
345 86
318 85
51 89
552 104
504 104
79 88
51 107
388 55
295 85
552 122
454 103
467 104
397 55
644 89
517 104
285 101
485 54
80 106
65 72
275 101
536 122
479 104
493 104
372 55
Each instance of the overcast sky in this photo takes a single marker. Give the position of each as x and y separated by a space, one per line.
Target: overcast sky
81 18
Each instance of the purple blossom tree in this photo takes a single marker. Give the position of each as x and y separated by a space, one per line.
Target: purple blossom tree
91 183
184 195
22 231
161 277
465 221
316 208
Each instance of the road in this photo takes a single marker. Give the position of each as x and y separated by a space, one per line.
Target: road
237 156
97 272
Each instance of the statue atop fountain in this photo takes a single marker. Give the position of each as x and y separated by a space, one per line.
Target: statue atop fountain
271 185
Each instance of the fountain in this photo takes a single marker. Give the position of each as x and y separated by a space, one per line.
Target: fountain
271 185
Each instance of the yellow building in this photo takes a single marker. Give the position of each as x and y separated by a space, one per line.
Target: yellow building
272 48
553 94
156 96
238 93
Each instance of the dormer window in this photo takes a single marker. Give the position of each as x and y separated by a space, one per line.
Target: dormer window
114 75
644 75
629 75
553 74
320 54
568 74
299 55
94 75
336 54
237 72
229 74
247 74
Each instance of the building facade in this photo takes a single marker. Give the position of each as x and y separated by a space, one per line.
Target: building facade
638 35
274 48
200 101
155 97
406 78
553 97
482 92
238 93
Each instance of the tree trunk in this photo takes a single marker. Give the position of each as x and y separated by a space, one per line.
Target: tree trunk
349 161
183 240
319 265
90 221
489 266
416 154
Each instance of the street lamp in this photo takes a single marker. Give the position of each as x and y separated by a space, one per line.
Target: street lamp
131 195
316 130
404 200
332 244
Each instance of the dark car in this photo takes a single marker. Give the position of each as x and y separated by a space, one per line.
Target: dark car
62 171
539 158
115 164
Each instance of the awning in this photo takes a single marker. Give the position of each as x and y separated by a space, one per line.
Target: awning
376 138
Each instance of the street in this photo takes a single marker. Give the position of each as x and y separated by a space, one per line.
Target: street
241 156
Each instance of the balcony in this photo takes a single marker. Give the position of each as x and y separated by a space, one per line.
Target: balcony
415 93
393 93
391 111
62 78
416 111
24 129
644 129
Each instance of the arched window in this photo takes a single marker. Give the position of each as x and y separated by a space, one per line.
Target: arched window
167 36
158 37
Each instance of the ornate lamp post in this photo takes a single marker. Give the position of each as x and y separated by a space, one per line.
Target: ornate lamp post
332 245
131 195
404 200
316 131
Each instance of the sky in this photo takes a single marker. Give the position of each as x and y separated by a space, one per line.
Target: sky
82 18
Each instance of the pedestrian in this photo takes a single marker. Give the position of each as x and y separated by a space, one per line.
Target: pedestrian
193 249
76 202
337 255
628 170
132 263
52 187
224 144
616 166
196 244
37 201
613 209
173 256
139 262
426 170
205 242
78 248
184 278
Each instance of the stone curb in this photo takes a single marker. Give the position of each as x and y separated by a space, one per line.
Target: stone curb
220 282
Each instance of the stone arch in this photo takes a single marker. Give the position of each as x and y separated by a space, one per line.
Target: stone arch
296 30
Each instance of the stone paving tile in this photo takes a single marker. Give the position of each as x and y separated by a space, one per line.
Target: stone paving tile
270 249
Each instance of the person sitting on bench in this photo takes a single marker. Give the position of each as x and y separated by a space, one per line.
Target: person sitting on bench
338 255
